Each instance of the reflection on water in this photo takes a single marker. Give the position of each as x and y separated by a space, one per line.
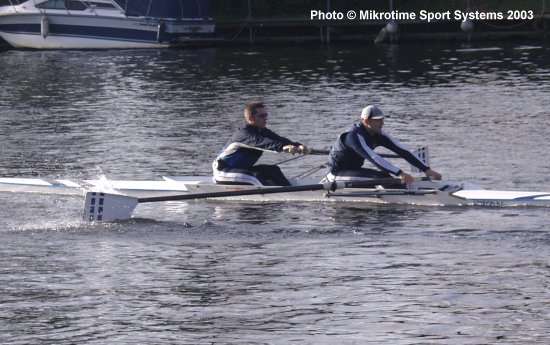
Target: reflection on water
256 273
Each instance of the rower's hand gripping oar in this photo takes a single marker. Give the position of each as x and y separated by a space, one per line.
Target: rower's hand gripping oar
108 207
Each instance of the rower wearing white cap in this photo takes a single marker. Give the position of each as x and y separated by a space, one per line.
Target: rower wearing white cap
348 154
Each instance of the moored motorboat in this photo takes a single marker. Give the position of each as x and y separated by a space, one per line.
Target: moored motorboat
93 24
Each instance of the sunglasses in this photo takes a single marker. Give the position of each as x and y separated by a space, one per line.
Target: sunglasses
263 115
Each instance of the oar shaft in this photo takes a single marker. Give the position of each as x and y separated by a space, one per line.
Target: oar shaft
385 182
254 191
326 152
110 207
332 186
318 152
385 192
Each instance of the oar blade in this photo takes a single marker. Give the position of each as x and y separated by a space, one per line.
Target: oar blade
105 207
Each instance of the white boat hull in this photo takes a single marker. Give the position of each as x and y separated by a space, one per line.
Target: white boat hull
440 193
36 41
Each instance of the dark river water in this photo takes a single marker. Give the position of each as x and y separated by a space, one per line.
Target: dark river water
228 273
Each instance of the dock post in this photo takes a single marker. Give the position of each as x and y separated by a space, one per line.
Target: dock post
249 19
544 25
328 27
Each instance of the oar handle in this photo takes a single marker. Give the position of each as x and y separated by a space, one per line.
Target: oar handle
326 152
318 152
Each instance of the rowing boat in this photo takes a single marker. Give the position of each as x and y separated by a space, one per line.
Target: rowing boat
111 200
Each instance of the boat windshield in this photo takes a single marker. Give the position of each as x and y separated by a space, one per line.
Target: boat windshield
100 4
10 2
74 5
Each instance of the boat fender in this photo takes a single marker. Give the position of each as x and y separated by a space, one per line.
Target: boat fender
44 27
160 31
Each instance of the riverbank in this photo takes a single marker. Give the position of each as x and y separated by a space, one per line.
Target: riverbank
266 22
297 30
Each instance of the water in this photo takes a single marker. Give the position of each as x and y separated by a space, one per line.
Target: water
228 273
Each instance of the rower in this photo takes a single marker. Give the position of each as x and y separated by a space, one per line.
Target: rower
235 164
348 154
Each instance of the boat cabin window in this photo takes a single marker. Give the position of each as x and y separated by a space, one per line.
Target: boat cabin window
52 4
74 5
100 4
10 2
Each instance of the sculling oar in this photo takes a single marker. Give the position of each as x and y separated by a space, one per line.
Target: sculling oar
421 153
319 152
108 207
326 152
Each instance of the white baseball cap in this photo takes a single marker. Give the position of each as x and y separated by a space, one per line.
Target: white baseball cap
372 112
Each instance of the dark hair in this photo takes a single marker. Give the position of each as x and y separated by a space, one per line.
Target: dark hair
251 109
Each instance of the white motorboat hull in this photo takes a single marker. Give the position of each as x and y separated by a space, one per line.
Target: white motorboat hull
36 41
